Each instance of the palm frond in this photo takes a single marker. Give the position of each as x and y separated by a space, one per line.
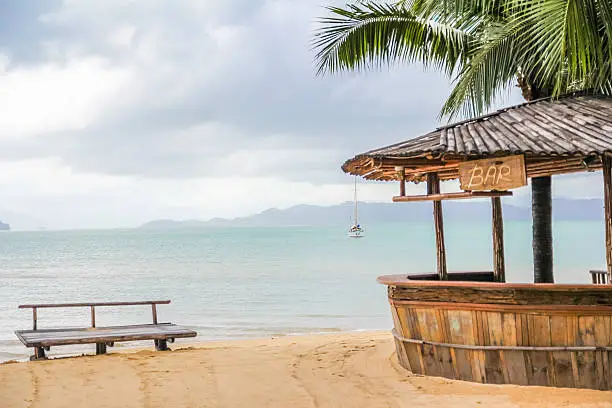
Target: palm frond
368 35
560 40
491 69
605 13
484 9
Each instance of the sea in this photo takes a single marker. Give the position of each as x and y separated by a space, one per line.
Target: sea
240 283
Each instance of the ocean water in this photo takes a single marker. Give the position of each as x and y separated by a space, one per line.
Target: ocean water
252 282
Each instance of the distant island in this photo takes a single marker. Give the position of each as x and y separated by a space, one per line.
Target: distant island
376 213
17 221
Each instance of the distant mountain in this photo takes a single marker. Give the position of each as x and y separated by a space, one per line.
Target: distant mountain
4 227
373 213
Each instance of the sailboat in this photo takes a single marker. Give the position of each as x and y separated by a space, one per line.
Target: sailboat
355 231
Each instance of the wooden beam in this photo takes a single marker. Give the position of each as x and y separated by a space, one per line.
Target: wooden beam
447 168
607 180
154 310
93 316
499 265
451 196
409 162
148 302
433 188
431 169
401 175
559 297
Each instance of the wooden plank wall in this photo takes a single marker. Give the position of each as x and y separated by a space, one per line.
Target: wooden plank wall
445 327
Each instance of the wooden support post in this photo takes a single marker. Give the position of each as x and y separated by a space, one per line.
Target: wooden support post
100 348
499 266
161 345
154 310
433 187
541 209
39 354
401 175
34 318
607 180
93 316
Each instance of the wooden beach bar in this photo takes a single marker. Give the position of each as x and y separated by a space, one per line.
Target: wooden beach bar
475 326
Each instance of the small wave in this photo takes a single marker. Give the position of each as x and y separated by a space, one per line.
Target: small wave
324 330
8 356
28 276
270 329
9 343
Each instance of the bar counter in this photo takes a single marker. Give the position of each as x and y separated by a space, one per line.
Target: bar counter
502 333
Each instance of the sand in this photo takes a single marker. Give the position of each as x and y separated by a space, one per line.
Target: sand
339 370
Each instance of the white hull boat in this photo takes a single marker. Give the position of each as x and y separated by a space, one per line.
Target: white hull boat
355 231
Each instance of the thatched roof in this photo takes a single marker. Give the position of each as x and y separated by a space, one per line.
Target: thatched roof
556 136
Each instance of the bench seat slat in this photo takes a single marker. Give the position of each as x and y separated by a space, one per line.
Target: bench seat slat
99 331
51 330
56 337
76 336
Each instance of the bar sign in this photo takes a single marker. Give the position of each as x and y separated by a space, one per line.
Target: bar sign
501 174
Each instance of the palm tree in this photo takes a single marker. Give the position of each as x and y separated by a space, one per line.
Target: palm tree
547 47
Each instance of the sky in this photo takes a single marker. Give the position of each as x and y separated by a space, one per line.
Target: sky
118 112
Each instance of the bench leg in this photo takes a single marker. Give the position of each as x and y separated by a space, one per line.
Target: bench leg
39 354
100 348
161 345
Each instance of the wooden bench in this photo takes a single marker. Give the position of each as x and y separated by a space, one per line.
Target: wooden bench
43 339
599 277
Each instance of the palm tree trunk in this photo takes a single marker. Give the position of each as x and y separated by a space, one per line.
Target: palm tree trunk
529 90
541 203
541 208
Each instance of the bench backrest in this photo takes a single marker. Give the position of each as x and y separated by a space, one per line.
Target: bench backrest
92 306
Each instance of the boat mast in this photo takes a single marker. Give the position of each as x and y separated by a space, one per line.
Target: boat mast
355 221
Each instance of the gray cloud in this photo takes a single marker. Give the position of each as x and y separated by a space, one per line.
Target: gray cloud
221 88
21 34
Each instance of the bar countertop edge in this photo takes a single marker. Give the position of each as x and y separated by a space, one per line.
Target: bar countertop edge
404 281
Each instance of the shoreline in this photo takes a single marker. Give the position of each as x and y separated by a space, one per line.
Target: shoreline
129 347
324 370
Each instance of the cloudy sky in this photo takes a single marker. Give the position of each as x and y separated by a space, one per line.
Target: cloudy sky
117 112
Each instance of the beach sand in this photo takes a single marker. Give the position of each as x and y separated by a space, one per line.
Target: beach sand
339 370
